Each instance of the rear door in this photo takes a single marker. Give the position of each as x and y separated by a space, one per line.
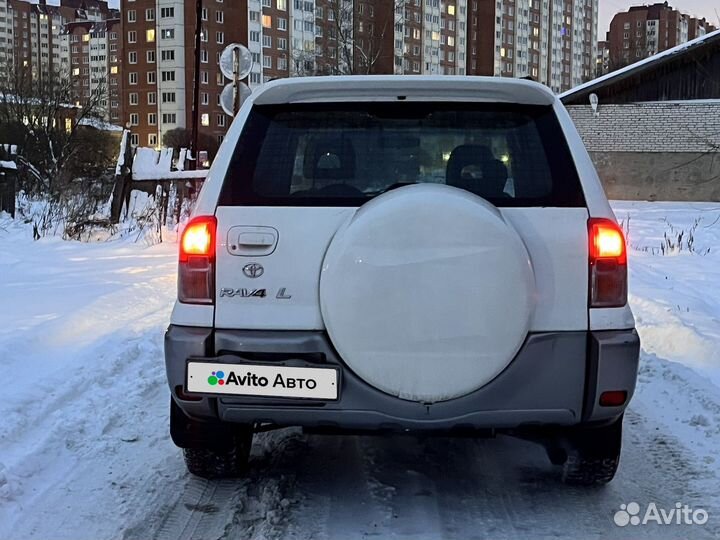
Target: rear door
300 171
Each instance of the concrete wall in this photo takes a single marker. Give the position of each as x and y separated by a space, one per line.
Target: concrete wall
652 176
654 151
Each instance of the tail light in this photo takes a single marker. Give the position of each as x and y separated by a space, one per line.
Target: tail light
608 264
196 271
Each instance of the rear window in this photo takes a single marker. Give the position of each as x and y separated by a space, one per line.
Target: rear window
343 154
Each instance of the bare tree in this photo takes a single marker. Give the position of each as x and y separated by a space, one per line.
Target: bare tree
45 116
360 36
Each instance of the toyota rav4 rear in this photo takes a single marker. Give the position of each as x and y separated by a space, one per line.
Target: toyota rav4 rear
379 254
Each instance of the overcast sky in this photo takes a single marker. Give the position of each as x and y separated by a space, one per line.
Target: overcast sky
608 8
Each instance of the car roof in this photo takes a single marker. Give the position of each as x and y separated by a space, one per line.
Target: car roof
405 88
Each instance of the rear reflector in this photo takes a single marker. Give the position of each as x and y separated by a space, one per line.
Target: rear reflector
613 398
607 264
196 271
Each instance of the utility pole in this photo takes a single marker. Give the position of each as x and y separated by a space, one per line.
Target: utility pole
196 85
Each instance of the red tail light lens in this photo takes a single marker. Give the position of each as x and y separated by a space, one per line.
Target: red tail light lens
196 271
608 264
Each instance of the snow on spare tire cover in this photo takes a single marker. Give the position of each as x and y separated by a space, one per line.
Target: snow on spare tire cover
426 293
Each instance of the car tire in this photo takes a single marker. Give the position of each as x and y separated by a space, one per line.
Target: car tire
592 454
211 449
212 463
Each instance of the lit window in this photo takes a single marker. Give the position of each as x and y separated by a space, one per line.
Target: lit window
114 70
86 37
205 119
150 35
451 10
267 21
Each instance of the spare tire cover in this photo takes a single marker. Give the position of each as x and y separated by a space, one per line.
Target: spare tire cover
427 292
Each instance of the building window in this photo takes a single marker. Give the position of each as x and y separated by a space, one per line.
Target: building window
266 61
132 57
152 98
204 14
133 78
169 118
152 119
219 18
133 97
150 57
220 37
168 54
150 35
266 3
168 97
132 36
167 12
221 120
134 139
205 119
204 56
150 14
204 98
168 76
152 139
204 77
267 21
167 33
282 5
254 35
151 77
282 64
267 41
131 15
282 44
134 119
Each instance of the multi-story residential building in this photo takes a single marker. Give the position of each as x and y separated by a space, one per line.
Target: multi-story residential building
643 31
89 52
158 64
37 29
553 42
6 37
602 65
699 27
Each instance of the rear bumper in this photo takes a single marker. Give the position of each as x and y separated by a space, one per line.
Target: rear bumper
555 379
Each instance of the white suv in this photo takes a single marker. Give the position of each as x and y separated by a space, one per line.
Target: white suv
389 253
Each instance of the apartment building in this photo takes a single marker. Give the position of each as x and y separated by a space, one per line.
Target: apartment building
158 64
6 37
90 53
643 31
552 41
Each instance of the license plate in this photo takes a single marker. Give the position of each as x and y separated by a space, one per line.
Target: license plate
262 380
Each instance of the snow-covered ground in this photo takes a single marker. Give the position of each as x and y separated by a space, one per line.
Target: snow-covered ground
85 451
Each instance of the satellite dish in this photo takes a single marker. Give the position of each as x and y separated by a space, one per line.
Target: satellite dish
228 64
227 95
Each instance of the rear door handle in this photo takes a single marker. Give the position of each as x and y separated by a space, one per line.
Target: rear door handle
256 239
251 240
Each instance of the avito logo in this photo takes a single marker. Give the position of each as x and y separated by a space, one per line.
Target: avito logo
217 377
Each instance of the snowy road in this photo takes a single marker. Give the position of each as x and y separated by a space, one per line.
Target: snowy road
85 454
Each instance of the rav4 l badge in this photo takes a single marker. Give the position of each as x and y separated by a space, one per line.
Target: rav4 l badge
253 293
253 270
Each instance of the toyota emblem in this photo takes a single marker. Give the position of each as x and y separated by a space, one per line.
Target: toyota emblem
253 270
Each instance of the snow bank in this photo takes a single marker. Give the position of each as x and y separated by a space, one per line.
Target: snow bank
674 276
150 164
